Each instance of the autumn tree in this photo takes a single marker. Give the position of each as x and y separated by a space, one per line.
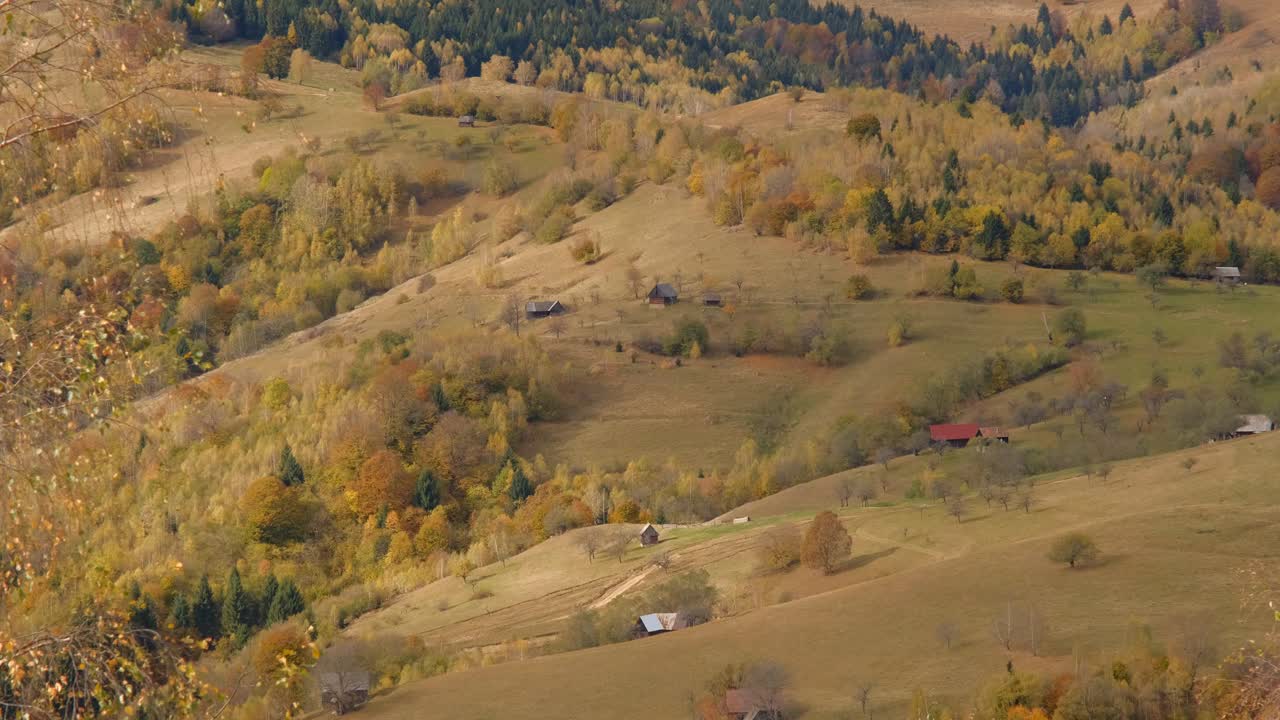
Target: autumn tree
1268 188
635 280
844 490
275 512
779 549
381 482
374 93
863 127
99 665
526 73
590 541
1070 327
826 543
499 67
1074 549
300 66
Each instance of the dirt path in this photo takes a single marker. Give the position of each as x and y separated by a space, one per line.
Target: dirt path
617 590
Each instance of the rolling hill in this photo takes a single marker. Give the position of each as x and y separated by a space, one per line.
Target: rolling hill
1173 542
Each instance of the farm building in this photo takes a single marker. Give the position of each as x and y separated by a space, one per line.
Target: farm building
467 121
663 294
1254 425
994 434
543 308
648 535
658 623
343 692
955 435
1227 275
712 299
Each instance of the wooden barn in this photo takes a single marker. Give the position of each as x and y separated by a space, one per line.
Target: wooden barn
467 121
955 434
657 624
663 294
648 535
712 299
1226 275
542 308
1254 425
994 434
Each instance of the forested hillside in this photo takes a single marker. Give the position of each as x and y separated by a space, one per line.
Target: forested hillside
313 388
689 57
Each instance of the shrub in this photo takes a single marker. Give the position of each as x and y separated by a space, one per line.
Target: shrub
499 179
1011 290
858 287
556 226
585 251
966 286
601 196
828 348
688 335
899 331
780 549
348 300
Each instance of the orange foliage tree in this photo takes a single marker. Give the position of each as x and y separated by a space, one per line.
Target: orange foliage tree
381 482
826 543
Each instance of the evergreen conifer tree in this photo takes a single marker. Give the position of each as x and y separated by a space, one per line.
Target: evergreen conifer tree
204 611
520 487
290 469
237 609
426 494
287 603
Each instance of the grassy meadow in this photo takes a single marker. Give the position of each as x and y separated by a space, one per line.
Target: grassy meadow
1173 543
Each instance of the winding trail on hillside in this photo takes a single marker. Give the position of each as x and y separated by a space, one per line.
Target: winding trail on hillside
617 590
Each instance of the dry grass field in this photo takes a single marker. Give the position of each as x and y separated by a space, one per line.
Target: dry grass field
1172 540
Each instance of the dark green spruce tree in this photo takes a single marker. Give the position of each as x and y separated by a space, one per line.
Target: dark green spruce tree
204 611
290 469
287 603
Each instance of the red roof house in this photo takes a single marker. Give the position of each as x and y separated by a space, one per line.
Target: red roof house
957 435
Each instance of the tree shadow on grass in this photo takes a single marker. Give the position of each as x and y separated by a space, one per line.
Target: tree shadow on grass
1104 561
858 561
